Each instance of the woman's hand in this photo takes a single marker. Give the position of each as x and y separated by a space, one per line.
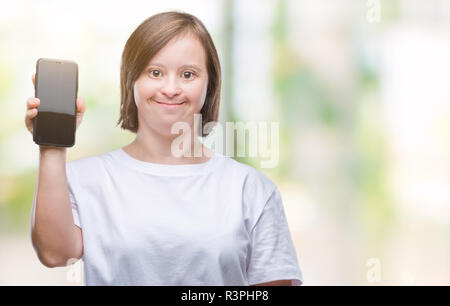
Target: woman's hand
32 111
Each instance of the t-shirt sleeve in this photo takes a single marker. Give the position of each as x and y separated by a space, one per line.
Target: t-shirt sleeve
70 183
273 256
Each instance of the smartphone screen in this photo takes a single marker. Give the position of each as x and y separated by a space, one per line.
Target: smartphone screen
56 85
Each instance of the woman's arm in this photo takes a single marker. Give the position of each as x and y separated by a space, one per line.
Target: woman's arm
54 235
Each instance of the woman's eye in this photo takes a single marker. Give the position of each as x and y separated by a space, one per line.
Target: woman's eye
188 75
155 73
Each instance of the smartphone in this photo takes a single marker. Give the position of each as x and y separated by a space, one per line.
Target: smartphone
56 86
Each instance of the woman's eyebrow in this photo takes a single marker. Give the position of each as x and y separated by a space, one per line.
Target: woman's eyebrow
193 66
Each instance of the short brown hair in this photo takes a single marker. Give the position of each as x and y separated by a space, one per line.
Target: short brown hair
150 37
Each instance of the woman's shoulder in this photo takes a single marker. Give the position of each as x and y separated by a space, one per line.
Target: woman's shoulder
91 162
254 187
251 178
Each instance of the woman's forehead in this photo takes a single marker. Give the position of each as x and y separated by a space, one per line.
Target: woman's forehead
182 50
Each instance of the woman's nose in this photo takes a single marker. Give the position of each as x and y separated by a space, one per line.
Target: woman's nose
171 87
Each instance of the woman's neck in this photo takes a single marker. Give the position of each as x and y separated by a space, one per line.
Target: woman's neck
152 147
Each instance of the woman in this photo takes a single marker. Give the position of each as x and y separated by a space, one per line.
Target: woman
144 215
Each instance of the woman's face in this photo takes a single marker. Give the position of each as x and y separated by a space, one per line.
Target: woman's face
173 86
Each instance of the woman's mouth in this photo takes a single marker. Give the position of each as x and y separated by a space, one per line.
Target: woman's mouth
169 105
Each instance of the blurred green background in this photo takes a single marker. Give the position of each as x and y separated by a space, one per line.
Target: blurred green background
361 92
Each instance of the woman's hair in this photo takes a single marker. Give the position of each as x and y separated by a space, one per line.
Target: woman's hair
143 44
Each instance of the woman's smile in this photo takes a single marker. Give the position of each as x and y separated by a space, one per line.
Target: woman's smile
170 105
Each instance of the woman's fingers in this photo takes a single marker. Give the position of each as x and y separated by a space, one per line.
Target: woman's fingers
33 78
81 107
29 116
31 113
33 102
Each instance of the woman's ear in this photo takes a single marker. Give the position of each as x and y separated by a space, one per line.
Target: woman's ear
133 96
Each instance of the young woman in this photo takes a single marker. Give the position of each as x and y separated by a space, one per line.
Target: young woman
144 215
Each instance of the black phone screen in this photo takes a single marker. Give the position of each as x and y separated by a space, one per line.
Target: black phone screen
56 85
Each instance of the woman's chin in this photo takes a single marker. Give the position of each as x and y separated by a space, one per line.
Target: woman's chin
164 124
173 128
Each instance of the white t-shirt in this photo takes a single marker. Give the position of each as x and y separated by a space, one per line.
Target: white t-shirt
216 223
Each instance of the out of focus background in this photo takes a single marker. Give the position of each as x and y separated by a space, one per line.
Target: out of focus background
361 91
